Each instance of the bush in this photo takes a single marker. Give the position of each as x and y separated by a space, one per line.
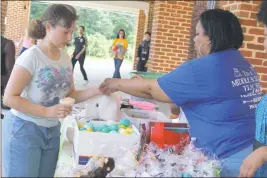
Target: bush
98 45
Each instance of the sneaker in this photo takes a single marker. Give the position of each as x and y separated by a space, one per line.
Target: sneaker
86 82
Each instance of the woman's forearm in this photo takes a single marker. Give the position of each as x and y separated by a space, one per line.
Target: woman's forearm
83 95
135 87
142 88
23 105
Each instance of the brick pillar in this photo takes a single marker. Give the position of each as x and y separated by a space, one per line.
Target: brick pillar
252 47
3 16
17 19
170 34
141 19
149 19
199 7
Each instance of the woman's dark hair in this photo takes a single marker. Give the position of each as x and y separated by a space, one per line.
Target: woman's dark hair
55 14
262 14
148 33
118 34
223 29
81 27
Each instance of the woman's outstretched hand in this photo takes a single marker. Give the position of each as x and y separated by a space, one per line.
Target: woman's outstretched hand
109 86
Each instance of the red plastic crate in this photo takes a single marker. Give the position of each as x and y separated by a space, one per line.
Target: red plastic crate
159 134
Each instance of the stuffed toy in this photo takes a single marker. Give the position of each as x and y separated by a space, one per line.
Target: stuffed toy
103 107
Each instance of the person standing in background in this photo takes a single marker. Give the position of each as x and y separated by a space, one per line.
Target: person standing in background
7 62
41 77
256 163
119 48
80 51
26 42
143 53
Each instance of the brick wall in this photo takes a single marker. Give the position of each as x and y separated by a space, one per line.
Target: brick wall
3 15
170 34
150 16
17 18
252 47
141 21
199 7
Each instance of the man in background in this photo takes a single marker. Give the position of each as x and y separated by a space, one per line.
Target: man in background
79 52
143 53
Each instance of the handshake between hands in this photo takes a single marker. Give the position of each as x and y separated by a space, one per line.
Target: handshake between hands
62 110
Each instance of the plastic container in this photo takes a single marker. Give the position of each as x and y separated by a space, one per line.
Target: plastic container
138 117
148 75
168 134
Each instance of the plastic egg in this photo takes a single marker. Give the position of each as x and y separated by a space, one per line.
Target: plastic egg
81 123
89 126
126 132
89 130
125 122
98 128
129 129
105 130
82 129
114 128
113 131
121 130
122 126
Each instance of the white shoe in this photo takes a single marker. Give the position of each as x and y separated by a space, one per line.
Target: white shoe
86 82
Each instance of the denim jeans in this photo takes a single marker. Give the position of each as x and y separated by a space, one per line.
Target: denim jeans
262 172
22 50
231 165
28 150
117 64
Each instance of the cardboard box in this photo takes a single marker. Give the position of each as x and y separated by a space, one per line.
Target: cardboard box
88 144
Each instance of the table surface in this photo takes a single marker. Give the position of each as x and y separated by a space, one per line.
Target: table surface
65 160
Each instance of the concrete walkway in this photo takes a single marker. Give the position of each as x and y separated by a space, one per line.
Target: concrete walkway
98 70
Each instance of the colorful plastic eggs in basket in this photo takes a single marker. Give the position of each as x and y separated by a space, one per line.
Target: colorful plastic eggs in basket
123 127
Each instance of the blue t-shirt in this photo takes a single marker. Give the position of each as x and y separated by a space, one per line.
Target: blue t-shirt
218 94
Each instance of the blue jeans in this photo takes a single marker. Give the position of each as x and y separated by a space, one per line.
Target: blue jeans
231 165
262 172
117 63
22 50
28 150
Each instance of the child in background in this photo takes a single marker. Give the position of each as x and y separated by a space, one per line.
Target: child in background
26 42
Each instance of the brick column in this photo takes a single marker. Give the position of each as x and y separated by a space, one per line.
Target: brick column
149 19
199 7
252 47
3 16
170 34
17 19
141 19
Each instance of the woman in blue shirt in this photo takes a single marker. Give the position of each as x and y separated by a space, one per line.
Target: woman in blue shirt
218 91
257 159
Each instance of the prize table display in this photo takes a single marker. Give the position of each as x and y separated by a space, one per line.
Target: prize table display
164 149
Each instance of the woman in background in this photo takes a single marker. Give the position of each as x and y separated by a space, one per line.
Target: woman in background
119 48
26 42
208 90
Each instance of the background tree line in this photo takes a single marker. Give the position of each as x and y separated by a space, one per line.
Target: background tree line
101 28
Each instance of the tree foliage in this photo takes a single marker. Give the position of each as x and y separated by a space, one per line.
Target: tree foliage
101 27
